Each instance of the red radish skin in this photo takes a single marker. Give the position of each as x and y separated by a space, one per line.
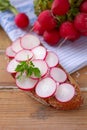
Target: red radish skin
51 37
80 22
67 30
10 53
45 88
58 74
83 7
51 59
38 28
65 92
60 7
22 20
46 20
39 52
13 75
25 83
24 55
29 41
12 66
16 46
84 33
43 67
47 74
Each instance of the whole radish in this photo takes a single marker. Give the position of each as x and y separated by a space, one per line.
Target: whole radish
21 19
38 28
60 7
67 30
46 20
52 37
80 22
83 7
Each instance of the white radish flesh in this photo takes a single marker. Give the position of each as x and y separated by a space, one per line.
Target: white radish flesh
42 66
58 74
9 52
45 87
12 66
51 59
29 41
25 83
39 52
65 92
16 46
23 55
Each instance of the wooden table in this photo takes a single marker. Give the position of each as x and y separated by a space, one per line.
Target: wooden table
20 112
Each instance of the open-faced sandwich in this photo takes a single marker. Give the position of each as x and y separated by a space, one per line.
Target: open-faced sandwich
38 71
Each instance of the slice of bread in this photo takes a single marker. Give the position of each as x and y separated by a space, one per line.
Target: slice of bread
75 102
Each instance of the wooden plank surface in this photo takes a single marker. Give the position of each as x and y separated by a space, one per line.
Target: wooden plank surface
20 112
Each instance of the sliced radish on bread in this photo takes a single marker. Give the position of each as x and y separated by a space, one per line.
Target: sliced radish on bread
23 55
12 66
30 41
65 92
45 87
39 52
25 83
58 74
16 46
53 86
10 53
41 64
51 59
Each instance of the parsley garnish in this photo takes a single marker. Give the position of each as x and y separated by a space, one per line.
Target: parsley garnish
28 68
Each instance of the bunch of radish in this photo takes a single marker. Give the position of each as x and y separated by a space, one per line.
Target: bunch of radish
67 19
53 80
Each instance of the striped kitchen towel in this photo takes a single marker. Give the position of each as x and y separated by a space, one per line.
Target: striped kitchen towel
72 55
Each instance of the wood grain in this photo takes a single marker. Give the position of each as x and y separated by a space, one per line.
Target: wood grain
20 112
4 40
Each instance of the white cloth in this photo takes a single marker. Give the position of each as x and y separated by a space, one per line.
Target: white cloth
72 55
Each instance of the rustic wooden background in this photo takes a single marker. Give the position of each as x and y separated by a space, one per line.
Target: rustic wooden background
20 112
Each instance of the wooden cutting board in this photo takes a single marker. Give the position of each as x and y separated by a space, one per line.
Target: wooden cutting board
20 112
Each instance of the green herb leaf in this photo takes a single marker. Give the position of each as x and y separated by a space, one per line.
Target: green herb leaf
31 64
29 71
28 68
37 72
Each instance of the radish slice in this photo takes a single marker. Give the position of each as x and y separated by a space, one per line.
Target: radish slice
25 83
58 74
12 66
16 46
23 55
29 41
42 67
51 59
65 92
9 52
45 87
39 52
